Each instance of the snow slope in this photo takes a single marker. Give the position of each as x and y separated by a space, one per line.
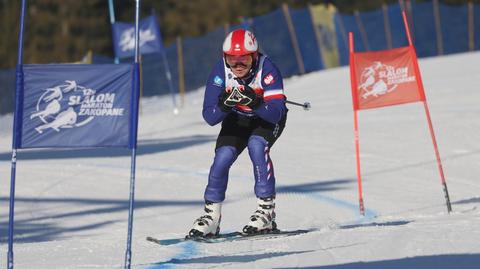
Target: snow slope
71 206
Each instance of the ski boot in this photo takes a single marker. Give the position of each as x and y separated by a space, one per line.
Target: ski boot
207 225
263 219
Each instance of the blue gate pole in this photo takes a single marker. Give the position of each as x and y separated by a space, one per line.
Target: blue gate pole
133 137
169 79
11 213
16 133
128 253
112 21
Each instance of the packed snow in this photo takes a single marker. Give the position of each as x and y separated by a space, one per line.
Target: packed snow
72 205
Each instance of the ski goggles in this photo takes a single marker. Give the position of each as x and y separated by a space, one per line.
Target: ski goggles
234 60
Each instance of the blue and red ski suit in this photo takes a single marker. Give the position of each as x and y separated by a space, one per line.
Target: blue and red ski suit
243 127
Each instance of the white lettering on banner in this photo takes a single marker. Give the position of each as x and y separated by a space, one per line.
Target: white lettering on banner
401 80
82 106
97 105
379 79
108 97
101 112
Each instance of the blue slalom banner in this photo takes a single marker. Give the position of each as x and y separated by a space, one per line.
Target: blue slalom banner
72 106
124 38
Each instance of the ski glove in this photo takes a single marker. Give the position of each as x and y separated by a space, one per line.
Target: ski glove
250 98
228 99
243 95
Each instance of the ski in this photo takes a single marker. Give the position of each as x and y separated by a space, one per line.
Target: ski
173 241
258 236
229 237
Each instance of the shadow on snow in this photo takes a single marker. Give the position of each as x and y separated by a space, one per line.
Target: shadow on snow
46 226
318 186
225 258
474 200
145 146
446 261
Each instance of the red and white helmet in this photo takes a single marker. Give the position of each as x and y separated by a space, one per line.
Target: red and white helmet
240 42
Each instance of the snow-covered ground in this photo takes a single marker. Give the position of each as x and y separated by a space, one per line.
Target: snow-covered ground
71 206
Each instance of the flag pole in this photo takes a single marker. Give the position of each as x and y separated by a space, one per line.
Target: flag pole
112 21
133 137
16 133
355 122
427 112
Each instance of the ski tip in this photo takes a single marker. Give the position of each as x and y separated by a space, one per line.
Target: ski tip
152 239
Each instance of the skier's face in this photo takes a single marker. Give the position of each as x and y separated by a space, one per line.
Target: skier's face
240 65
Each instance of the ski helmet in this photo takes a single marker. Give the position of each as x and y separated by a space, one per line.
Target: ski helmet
240 42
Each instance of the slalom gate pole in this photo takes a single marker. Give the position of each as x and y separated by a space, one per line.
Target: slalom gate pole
439 160
128 253
11 209
169 79
112 21
306 105
357 155
133 137
16 128
355 123
429 120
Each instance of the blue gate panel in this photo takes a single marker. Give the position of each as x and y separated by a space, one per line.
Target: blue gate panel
7 91
477 27
454 28
302 22
397 27
199 56
349 25
425 38
274 40
373 22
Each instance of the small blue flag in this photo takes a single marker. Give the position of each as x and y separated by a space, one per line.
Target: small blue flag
124 38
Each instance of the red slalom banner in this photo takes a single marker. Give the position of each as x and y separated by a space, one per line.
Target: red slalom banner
387 78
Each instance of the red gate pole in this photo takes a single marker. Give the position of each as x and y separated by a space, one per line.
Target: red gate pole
439 160
353 80
427 112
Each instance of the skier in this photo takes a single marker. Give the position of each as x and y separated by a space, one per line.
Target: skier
245 93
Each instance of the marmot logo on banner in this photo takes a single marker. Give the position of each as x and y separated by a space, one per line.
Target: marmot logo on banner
71 105
379 79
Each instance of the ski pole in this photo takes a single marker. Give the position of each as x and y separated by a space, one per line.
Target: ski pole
306 105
